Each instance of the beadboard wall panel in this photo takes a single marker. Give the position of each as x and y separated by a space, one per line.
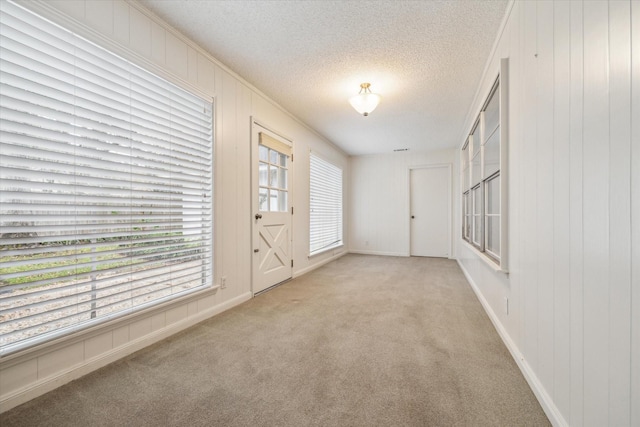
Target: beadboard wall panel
574 143
635 214
619 327
561 207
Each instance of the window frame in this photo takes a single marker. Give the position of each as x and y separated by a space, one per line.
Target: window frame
466 215
473 232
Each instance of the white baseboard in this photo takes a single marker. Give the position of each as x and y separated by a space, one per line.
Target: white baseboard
44 386
381 253
318 264
549 408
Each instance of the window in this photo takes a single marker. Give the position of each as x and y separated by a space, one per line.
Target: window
492 216
466 216
325 205
273 165
105 184
476 223
483 176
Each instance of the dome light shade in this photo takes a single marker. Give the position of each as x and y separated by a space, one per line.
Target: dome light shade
365 102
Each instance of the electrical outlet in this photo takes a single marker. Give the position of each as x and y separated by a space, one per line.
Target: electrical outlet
223 282
366 243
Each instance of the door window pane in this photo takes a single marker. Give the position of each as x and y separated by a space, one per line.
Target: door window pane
282 181
282 201
273 176
263 199
263 153
272 180
273 200
262 174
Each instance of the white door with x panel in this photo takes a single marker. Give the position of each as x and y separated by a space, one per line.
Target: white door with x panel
271 161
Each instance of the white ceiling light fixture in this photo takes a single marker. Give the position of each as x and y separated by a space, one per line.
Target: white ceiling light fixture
366 101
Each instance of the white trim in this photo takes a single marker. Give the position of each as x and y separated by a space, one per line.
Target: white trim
449 203
380 253
45 385
318 264
545 400
504 163
327 249
256 121
484 257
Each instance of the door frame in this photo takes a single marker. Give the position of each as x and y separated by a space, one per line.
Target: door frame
253 176
448 166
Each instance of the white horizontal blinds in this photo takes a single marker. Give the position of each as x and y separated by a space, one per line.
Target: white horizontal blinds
325 228
105 184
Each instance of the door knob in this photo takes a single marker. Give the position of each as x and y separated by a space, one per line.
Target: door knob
256 250
258 216
412 216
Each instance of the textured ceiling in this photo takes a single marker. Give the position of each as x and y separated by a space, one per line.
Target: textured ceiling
425 58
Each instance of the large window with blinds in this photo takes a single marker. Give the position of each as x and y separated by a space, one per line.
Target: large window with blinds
325 205
105 184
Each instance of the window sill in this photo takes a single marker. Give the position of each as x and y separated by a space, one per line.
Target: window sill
486 258
72 337
322 251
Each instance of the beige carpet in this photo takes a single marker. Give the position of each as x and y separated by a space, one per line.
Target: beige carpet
362 341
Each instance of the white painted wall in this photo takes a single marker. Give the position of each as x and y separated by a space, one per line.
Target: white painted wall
574 205
379 201
134 33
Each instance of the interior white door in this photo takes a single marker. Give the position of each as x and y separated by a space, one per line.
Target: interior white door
430 195
271 212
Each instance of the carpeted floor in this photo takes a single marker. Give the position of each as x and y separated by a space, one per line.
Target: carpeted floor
362 341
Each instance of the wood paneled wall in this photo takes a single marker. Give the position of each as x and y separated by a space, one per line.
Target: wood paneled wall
574 206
